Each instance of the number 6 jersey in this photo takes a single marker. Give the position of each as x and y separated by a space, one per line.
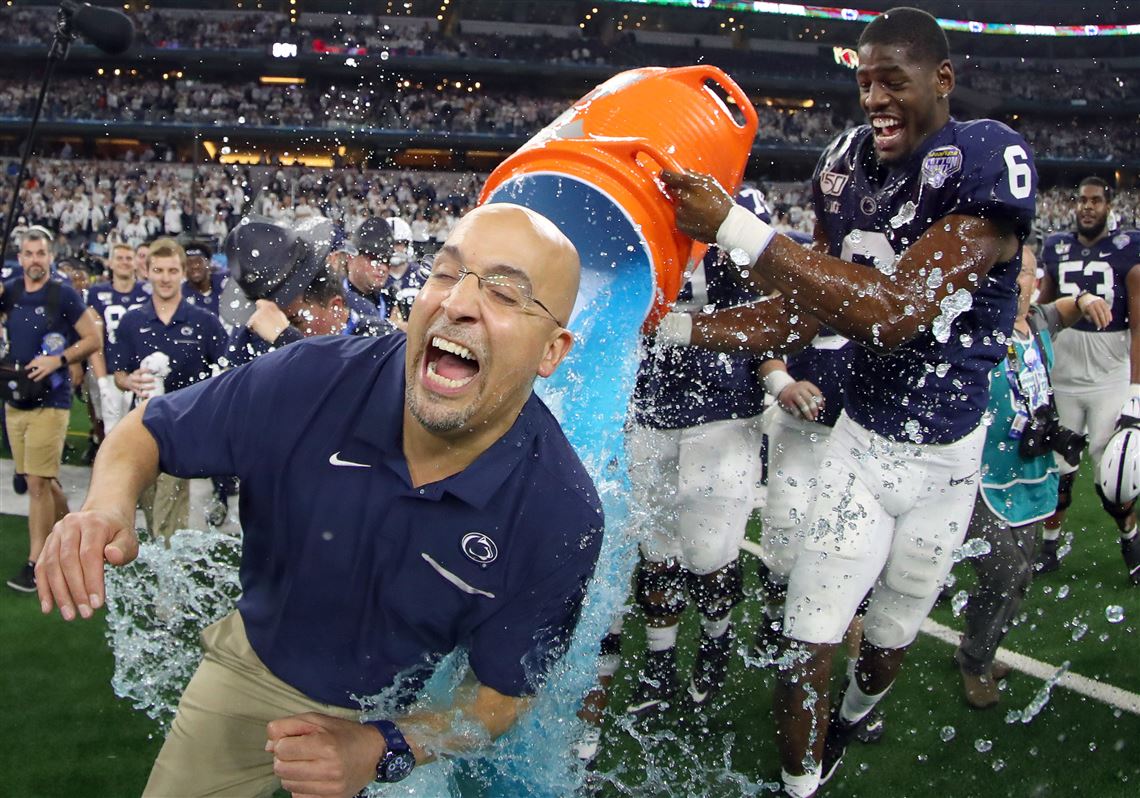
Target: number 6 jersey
1089 359
934 388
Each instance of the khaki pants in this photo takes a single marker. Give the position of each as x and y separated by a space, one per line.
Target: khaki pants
166 505
37 437
216 745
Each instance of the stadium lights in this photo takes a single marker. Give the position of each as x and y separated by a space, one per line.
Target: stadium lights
859 15
281 80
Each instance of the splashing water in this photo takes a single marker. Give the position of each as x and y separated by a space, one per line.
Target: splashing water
156 608
974 547
1039 700
952 307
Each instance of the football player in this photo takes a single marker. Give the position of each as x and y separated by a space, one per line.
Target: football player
692 449
922 218
110 301
1094 367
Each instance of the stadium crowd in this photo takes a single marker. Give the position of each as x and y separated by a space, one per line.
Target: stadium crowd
95 204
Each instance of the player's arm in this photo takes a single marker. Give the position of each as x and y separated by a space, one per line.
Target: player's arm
316 754
98 359
768 326
69 572
1132 286
860 303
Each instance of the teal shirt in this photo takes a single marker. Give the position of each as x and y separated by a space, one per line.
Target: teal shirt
1017 489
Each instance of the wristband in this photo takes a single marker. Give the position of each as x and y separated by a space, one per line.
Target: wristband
675 329
776 381
743 231
1081 296
63 360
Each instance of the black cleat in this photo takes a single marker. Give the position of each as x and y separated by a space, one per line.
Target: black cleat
711 667
840 733
656 684
1130 548
25 580
20 484
1047 561
873 728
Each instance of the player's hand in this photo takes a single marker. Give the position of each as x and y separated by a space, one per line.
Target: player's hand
802 399
268 321
140 382
1095 309
702 204
43 366
316 754
69 571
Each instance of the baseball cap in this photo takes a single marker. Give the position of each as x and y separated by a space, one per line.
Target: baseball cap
373 237
271 260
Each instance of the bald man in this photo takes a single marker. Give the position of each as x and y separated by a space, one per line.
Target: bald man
401 497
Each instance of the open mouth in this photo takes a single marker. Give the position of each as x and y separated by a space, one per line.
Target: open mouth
888 129
449 366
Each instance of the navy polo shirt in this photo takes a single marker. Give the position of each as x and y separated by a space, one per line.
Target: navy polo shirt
31 332
193 340
352 578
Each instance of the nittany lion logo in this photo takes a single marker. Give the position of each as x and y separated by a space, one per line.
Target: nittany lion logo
479 548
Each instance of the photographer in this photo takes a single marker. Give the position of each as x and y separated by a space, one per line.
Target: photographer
1018 478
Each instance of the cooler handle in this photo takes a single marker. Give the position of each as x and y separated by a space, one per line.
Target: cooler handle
702 72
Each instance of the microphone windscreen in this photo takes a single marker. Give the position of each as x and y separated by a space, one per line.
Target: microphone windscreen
108 29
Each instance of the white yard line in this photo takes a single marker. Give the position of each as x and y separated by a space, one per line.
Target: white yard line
1082 685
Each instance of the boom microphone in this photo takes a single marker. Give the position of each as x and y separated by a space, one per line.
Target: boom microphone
110 30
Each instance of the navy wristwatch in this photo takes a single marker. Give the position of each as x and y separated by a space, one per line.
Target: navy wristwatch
398 759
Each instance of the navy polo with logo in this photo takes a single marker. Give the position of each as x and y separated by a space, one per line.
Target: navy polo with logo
353 579
193 340
32 332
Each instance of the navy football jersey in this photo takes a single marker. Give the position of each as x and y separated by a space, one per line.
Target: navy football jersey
209 302
1099 269
683 386
826 363
112 305
934 388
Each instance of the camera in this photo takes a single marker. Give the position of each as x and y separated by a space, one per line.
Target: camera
1044 434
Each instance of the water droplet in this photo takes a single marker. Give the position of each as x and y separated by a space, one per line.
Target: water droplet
958 603
948 733
982 745
1062 591
1114 613
740 257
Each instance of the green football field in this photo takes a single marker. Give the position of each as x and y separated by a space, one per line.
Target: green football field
67 735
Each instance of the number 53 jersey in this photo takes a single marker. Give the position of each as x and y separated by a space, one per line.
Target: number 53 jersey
1088 358
934 388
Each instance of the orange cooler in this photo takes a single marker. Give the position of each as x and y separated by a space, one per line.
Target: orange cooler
614 141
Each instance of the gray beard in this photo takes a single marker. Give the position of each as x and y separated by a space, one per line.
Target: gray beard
451 422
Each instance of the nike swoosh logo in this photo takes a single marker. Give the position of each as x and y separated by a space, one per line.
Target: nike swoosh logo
144 329
963 479
455 580
335 460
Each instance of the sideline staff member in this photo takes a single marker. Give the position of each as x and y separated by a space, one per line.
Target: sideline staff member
40 316
403 496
